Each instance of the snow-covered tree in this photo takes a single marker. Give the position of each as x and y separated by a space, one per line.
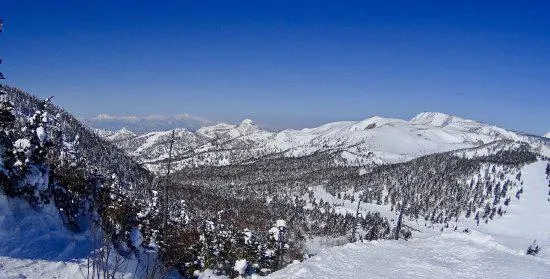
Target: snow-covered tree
533 249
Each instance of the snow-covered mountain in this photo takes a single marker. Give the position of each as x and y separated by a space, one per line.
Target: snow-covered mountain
144 124
375 140
547 135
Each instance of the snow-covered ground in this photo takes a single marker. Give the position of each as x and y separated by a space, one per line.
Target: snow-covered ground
35 244
493 250
15 268
449 255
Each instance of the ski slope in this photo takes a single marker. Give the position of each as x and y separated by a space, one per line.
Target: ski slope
494 250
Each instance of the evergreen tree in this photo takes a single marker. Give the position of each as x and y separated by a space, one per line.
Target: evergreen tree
7 120
39 133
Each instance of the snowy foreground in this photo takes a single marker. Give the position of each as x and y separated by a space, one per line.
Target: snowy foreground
494 250
452 255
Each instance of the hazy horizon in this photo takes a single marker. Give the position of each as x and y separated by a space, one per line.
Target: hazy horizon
260 122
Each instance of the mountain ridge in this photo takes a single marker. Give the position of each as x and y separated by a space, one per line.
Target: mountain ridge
375 140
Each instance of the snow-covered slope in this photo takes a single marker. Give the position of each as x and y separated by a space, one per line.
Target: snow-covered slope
374 140
45 217
527 219
547 135
494 250
450 255
120 135
37 234
36 244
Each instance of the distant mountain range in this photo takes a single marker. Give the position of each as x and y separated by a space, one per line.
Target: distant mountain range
375 140
145 124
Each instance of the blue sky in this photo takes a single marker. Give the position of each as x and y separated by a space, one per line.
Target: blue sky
282 63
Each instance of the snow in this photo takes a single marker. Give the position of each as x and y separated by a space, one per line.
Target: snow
274 232
437 119
121 134
527 218
37 234
247 235
214 130
375 140
208 274
449 255
493 250
22 144
14 268
34 243
41 133
547 135
240 266
344 206
247 122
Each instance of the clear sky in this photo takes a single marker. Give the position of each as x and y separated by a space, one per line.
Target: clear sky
285 63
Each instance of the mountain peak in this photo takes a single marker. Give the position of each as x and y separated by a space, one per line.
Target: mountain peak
121 134
247 122
247 127
125 130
